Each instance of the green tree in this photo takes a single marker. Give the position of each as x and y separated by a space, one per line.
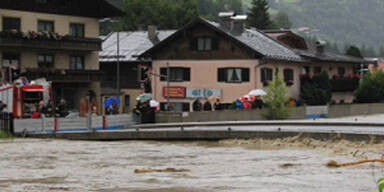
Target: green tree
277 99
281 20
165 14
371 90
258 15
353 51
316 90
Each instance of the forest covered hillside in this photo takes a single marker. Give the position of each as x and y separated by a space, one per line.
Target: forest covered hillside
341 22
357 22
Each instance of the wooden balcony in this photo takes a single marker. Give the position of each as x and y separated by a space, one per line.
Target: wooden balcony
66 76
67 44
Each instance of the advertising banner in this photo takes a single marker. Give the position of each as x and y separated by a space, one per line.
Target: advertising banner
175 92
203 93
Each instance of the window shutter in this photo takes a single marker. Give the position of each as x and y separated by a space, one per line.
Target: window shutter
270 74
286 75
187 74
245 75
163 73
193 44
221 75
215 43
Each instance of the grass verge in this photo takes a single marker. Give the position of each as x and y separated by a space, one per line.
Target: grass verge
4 135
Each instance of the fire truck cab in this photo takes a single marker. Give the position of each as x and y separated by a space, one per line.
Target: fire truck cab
21 99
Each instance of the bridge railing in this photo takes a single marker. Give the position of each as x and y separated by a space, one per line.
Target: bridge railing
52 125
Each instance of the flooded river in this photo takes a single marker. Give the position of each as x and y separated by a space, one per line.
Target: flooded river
234 165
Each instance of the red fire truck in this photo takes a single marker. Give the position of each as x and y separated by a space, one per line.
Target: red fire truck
21 98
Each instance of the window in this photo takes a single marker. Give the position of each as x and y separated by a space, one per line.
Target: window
288 76
76 30
46 26
266 75
45 60
10 23
127 100
307 70
341 71
317 70
143 73
77 63
204 44
10 59
233 75
177 74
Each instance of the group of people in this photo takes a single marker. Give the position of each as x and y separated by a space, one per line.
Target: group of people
244 103
145 112
198 105
251 102
48 110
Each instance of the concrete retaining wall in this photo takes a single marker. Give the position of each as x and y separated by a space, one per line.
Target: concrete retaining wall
335 111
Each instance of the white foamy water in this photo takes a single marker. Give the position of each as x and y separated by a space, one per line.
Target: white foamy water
59 165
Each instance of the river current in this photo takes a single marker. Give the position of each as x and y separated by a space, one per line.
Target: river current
286 165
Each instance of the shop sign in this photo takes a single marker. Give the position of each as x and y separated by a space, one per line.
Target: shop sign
175 92
203 93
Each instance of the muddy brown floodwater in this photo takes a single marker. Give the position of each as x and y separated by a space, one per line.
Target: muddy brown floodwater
284 165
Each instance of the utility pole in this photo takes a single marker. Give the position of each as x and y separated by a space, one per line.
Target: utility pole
118 66
168 82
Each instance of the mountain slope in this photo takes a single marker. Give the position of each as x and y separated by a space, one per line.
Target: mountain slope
357 22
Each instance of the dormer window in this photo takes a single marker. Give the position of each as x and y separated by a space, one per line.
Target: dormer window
204 44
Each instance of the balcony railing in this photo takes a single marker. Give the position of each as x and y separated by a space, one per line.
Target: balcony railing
63 76
48 41
349 83
345 84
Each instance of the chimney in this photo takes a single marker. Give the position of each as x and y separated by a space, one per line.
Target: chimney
320 46
225 19
152 32
238 23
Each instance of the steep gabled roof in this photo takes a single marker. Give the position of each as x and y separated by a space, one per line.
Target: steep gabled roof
251 39
132 44
289 38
